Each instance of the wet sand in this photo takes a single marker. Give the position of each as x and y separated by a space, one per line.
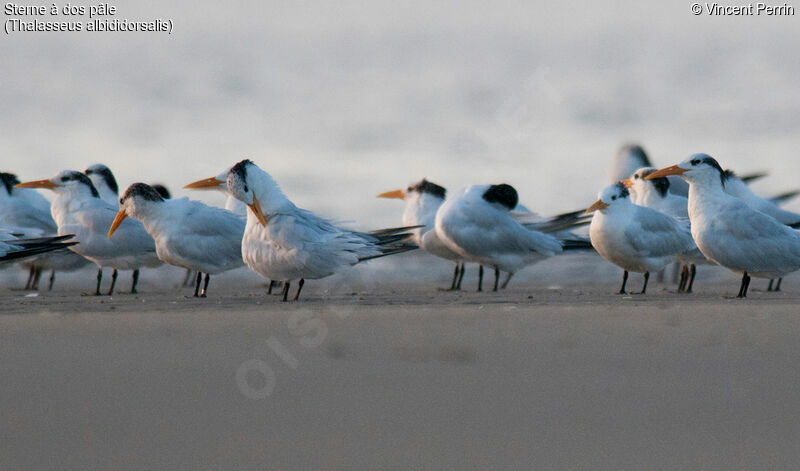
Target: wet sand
368 374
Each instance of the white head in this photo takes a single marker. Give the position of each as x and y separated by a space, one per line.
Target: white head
699 169
69 182
641 188
422 200
138 201
612 197
255 188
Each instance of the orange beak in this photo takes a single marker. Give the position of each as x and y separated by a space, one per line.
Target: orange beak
256 208
596 206
627 182
117 221
205 184
37 184
665 172
396 194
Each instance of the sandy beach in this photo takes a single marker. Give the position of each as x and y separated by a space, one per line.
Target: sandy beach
380 375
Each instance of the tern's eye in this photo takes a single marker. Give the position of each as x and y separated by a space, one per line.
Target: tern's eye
64 179
695 162
636 177
613 198
245 188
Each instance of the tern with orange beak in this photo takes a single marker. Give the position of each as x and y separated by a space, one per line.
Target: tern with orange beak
728 231
422 200
78 209
655 194
29 211
187 233
635 238
286 243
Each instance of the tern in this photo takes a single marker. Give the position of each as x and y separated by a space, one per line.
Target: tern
284 242
635 238
632 157
655 194
29 212
478 226
187 233
728 231
78 209
422 200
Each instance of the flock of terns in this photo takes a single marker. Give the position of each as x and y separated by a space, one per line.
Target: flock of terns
690 213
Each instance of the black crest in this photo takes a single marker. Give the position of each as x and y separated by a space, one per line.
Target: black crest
428 187
142 190
81 178
240 169
623 190
660 184
697 159
8 180
108 177
162 190
503 194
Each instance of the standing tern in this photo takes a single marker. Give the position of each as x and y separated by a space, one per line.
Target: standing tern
26 209
187 233
635 238
655 194
79 210
730 232
478 226
284 242
422 200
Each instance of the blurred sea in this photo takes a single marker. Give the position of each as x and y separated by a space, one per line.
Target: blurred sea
343 100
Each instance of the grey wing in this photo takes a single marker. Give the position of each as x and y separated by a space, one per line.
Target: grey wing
654 234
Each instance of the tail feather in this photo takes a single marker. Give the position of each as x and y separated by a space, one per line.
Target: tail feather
784 197
753 177
577 244
35 250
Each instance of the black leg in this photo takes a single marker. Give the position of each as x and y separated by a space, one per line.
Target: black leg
197 284
684 277
778 286
285 290
496 278
646 278
505 283
36 277
480 278
113 282
743 287
271 285
187 277
692 274
99 279
460 276
135 281
624 282
30 277
52 279
455 278
299 288
205 286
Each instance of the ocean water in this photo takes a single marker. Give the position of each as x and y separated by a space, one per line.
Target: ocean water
343 100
